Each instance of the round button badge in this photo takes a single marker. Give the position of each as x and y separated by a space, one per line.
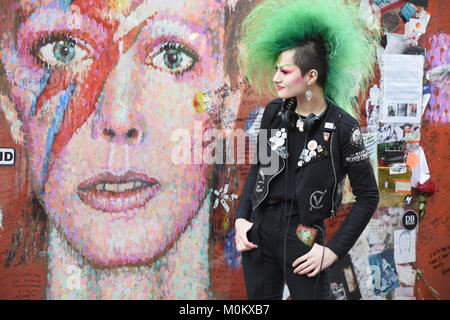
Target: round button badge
312 145
410 220
279 142
408 200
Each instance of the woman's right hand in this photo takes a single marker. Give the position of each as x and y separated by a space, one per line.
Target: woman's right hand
242 226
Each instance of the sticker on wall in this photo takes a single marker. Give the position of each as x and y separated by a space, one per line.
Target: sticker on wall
7 156
222 195
403 186
397 168
202 102
408 200
410 220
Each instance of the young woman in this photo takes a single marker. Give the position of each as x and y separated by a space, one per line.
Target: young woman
320 52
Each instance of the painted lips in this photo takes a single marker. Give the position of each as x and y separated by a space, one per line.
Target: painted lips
112 193
280 87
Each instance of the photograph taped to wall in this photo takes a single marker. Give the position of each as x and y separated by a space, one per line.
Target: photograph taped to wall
397 168
392 132
384 273
391 152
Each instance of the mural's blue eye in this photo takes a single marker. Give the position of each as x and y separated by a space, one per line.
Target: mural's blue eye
64 50
173 57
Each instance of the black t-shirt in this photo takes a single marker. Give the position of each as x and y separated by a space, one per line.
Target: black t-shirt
295 143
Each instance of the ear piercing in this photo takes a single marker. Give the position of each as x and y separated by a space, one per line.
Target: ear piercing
308 94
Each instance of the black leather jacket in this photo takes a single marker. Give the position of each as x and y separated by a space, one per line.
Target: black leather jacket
339 151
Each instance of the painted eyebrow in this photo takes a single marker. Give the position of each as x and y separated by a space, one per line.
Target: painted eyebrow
53 18
285 65
177 25
136 17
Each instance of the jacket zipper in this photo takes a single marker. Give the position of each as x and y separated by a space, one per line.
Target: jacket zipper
333 212
268 183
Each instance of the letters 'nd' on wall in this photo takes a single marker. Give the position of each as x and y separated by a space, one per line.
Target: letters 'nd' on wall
114 111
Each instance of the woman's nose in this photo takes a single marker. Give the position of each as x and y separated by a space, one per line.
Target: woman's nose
276 78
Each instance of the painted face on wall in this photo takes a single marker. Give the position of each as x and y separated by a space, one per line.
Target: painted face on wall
106 85
288 78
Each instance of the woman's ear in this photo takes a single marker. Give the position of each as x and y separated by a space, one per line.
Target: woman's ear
311 77
12 117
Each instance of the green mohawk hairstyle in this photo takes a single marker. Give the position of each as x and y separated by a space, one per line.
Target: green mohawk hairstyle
277 25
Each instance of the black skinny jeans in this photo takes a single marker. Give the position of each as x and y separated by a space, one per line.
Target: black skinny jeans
263 266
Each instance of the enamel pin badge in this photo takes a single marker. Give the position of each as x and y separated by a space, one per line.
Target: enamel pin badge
300 124
309 153
306 234
277 143
328 127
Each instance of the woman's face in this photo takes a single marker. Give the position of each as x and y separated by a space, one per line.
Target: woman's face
288 78
107 85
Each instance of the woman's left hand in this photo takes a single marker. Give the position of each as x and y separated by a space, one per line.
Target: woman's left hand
309 263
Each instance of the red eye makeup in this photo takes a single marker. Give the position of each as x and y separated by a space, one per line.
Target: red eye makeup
286 71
